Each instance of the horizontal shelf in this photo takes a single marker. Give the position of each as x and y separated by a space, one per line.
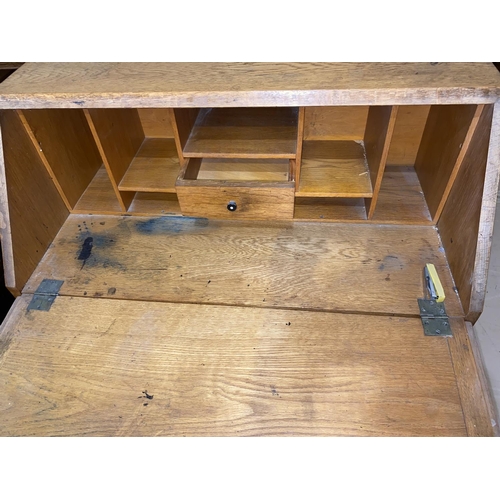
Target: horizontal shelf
401 198
334 169
244 133
330 209
154 169
224 169
155 204
99 197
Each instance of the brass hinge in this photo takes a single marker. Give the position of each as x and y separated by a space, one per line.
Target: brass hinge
45 295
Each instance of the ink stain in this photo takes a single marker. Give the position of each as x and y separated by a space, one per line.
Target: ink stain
146 395
86 250
111 291
170 225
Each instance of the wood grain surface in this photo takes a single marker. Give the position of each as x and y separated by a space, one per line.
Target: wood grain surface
36 211
334 168
459 222
348 123
153 85
244 133
472 393
377 141
65 144
226 169
254 200
336 267
99 197
154 168
401 198
486 219
445 140
93 367
156 123
118 134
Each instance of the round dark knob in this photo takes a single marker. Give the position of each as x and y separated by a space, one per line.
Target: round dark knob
231 206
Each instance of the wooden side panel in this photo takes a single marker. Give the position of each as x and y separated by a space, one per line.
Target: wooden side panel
157 122
35 211
473 398
96 367
446 137
64 138
486 220
377 140
490 413
459 222
312 266
119 135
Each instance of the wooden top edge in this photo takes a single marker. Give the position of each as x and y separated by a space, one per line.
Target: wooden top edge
142 85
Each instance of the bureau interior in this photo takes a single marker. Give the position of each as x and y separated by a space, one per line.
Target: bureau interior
409 165
384 164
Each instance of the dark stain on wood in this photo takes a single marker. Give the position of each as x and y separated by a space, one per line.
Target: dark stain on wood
170 225
86 248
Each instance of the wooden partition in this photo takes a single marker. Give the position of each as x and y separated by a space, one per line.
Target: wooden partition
32 210
470 205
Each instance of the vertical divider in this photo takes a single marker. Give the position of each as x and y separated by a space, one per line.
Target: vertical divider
183 121
300 137
43 158
377 139
446 139
119 135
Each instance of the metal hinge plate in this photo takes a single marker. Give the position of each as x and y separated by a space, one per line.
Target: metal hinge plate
434 318
45 295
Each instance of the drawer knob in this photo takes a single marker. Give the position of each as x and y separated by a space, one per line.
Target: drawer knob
231 206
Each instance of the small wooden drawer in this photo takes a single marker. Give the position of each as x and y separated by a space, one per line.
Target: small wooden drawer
232 199
229 201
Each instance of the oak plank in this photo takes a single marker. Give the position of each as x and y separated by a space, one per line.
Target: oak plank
336 267
84 369
401 199
348 123
99 197
154 168
244 133
408 131
486 389
329 209
295 165
66 146
446 137
152 85
254 200
486 219
155 204
156 123
472 395
32 209
334 168
460 219
118 134
227 169
377 140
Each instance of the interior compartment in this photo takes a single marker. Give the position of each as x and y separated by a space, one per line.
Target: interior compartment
243 133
